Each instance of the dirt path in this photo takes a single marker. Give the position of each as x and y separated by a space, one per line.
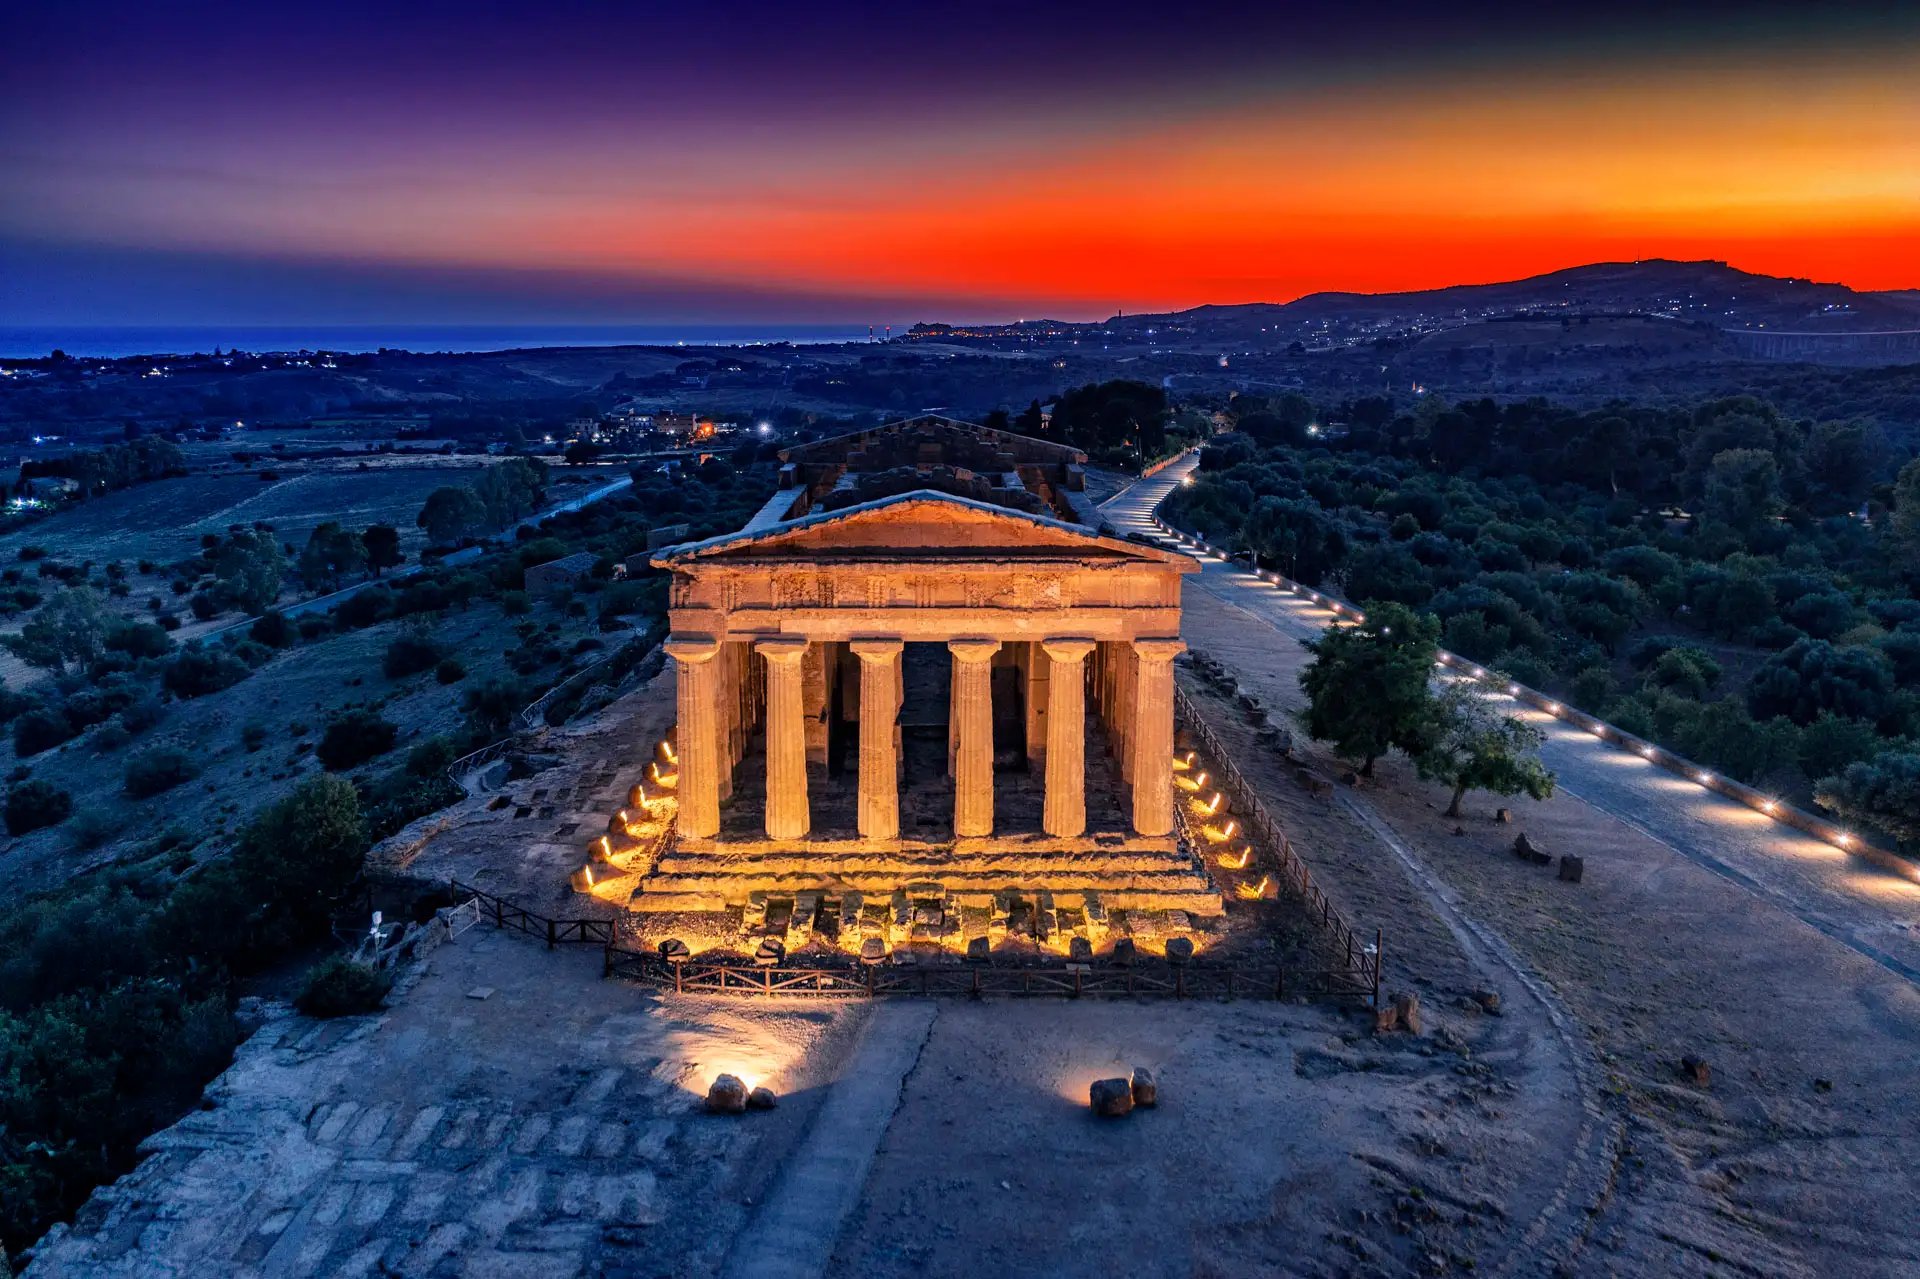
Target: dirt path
792 1235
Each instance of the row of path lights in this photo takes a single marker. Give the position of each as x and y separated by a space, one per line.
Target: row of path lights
1467 671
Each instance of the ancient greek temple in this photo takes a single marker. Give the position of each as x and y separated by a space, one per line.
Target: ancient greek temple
922 671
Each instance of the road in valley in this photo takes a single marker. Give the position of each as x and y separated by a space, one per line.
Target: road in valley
1870 910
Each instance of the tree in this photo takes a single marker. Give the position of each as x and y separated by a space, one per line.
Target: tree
248 566
1367 686
1742 490
331 553
1812 676
382 545
1905 522
510 490
452 513
67 633
1842 459
1470 746
309 845
1298 537
1884 792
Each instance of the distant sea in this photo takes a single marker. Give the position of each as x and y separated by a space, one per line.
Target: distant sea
21 343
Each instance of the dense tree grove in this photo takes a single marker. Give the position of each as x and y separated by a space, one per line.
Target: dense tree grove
1740 586
116 998
1122 423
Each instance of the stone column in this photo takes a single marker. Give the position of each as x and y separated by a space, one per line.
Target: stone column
1126 675
1153 735
973 754
788 816
698 732
1065 813
879 757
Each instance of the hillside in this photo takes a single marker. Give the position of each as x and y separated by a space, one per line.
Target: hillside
1704 291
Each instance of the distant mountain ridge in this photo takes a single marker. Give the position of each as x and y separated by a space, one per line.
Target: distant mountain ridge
1705 291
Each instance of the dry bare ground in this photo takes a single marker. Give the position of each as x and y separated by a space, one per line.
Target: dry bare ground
1796 1158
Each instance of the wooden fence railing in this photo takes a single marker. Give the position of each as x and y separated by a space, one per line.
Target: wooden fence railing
1262 829
555 932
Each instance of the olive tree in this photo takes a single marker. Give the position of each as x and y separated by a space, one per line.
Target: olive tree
1470 745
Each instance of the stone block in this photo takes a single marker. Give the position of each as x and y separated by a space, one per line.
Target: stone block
1111 1098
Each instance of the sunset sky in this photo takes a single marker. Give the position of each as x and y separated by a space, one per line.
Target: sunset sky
839 163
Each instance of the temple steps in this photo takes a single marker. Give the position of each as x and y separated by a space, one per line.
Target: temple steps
1139 881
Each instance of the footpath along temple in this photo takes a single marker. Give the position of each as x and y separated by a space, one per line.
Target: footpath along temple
921 686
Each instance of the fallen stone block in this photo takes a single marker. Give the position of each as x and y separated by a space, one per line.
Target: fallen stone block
1111 1098
727 1096
1146 1090
762 1098
1179 950
1314 784
1572 868
1401 1013
1503 814
1526 851
1697 1070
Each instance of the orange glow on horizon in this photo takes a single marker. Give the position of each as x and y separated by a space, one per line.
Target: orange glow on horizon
1783 161
1815 175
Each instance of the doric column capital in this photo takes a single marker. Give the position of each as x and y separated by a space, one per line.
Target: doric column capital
1159 650
782 650
973 650
1067 650
691 648
876 650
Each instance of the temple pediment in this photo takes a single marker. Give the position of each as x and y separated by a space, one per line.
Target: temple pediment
920 527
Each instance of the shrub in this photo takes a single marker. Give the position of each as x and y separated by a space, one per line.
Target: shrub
491 706
273 630
34 804
138 639
409 654
142 713
41 728
515 603
352 739
253 737
204 606
338 987
314 626
450 671
157 770
92 828
198 670
364 608
431 757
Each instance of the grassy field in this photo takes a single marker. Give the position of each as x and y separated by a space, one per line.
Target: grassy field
163 521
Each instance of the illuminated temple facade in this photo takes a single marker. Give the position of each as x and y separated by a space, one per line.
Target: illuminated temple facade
922 687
